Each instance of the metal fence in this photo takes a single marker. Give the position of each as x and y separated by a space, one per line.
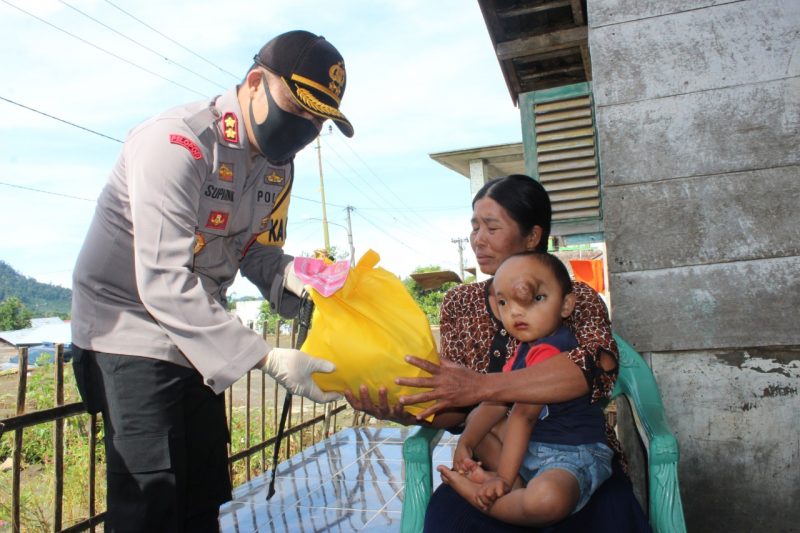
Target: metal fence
307 424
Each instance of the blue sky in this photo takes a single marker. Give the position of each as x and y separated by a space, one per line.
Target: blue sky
422 78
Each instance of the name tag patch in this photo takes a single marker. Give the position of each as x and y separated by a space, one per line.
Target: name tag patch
219 193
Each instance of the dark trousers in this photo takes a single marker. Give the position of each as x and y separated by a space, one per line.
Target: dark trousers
166 442
613 508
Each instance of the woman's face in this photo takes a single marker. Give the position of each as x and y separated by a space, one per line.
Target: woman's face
495 235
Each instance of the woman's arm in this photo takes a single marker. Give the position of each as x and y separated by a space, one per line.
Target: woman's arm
597 353
555 380
590 367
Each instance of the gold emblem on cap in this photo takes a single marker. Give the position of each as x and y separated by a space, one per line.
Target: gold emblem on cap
308 99
318 86
337 74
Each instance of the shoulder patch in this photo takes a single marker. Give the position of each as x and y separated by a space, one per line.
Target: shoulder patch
186 143
230 127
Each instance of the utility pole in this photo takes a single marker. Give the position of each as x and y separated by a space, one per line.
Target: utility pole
322 193
350 237
327 242
460 242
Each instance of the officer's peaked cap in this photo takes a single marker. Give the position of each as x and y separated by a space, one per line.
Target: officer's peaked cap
312 69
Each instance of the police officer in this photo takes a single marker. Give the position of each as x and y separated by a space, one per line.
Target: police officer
199 193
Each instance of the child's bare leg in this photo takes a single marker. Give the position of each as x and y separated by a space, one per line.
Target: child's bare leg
548 498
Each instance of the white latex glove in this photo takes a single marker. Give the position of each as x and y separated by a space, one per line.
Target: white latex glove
293 368
290 280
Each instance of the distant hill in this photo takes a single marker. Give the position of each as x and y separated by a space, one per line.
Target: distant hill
41 299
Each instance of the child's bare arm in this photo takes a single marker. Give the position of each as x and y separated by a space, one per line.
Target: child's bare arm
515 444
479 424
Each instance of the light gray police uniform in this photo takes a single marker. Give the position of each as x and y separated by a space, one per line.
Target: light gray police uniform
185 208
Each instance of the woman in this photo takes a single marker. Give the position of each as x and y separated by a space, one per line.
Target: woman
510 215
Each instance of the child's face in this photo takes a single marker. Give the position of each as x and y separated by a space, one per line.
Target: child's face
529 299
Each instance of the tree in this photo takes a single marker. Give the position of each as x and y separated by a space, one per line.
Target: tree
430 301
14 314
269 317
333 251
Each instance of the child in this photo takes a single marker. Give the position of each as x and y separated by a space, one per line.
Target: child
563 445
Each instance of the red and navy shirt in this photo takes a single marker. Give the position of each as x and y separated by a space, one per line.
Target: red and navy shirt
577 421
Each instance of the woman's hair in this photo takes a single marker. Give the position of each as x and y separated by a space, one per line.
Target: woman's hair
525 201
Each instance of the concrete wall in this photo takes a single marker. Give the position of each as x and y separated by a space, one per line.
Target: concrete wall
698 114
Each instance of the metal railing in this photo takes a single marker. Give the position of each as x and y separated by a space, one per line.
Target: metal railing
249 455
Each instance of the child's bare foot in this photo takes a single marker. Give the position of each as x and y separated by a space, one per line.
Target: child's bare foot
467 488
478 475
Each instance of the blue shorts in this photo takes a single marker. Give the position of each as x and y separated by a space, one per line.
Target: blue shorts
589 463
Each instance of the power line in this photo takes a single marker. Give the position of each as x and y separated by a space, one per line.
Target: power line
59 119
134 41
421 224
354 171
344 176
408 221
388 234
298 197
416 209
47 192
380 180
112 54
173 41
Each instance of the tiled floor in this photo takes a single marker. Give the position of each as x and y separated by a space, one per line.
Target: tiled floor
352 481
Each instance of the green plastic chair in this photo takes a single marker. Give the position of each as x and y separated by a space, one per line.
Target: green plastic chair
637 383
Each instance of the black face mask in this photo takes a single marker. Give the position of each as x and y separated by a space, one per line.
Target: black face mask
283 134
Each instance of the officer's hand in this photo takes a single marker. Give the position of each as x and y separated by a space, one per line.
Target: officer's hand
291 282
293 368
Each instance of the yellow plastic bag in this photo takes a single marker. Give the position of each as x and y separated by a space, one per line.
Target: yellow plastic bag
366 328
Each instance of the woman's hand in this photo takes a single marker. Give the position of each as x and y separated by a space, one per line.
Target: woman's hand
381 411
451 386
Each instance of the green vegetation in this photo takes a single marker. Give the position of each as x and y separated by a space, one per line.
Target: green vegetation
14 314
42 299
268 319
430 301
38 466
38 481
